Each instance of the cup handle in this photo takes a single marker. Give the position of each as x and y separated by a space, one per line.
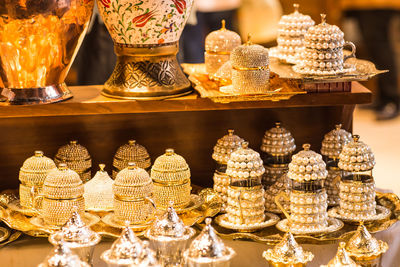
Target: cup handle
239 198
35 199
280 206
149 200
353 50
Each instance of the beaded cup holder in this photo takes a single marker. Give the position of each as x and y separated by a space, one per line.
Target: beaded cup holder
322 53
31 175
171 179
222 151
133 191
131 152
219 45
357 186
291 31
308 199
62 194
332 145
77 159
277 148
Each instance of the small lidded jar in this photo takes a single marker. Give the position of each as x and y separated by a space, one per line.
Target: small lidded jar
62 194
357 186
61 256
250 69
168 237
222 151
131 152
99 193
32 175
288 253
342 258
332 145
308 198
133 191
78 237
207 249
219 45
77 159
171 178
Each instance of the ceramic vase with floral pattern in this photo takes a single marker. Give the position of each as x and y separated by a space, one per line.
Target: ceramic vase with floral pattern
146 35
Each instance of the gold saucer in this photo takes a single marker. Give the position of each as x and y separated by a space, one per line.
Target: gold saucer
195 202
15 205
270 219
333 226
109 220
347 68
88 218
382 213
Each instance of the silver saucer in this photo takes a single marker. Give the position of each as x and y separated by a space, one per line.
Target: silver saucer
333 226
270 219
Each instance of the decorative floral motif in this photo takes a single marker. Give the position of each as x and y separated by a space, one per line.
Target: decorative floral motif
145 22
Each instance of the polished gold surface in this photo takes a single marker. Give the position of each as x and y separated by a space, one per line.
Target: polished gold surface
342 258
38 43
35 226
146 73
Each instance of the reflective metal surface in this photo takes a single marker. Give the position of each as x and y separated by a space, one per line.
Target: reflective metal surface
38 43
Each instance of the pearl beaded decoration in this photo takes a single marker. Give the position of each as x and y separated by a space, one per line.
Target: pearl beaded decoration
356 156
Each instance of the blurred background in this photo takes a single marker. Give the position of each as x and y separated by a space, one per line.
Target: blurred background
373 25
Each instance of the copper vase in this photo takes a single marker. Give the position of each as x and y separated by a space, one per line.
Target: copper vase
39 40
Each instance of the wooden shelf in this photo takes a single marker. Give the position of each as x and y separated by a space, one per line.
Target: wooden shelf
88 101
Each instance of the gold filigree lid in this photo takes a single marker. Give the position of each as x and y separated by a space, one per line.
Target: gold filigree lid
170 168
132 176
278 141
62 183
342 258
363 244
222 40
75 233
99 192
126 250
334 141
225 146
208 245
295 23
307 165
72 152
245 163
324 36
169 225
35 168
62 256
356 156
131 152
288 251
248 56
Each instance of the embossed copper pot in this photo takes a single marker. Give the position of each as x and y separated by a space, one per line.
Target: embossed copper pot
145 35
38 43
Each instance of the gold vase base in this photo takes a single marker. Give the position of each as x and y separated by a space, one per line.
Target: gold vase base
146 73
33 96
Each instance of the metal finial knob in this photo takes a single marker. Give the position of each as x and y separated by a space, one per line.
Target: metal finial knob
245 144
223 24
131 142
249 39
62 166
169 151
296 7
131 165
323 18
230 131
338 126
278 124
208 221
306 147
73 142
38 153
356 137
102 166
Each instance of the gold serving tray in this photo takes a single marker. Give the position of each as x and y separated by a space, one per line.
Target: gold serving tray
18 221
280 89
271 235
